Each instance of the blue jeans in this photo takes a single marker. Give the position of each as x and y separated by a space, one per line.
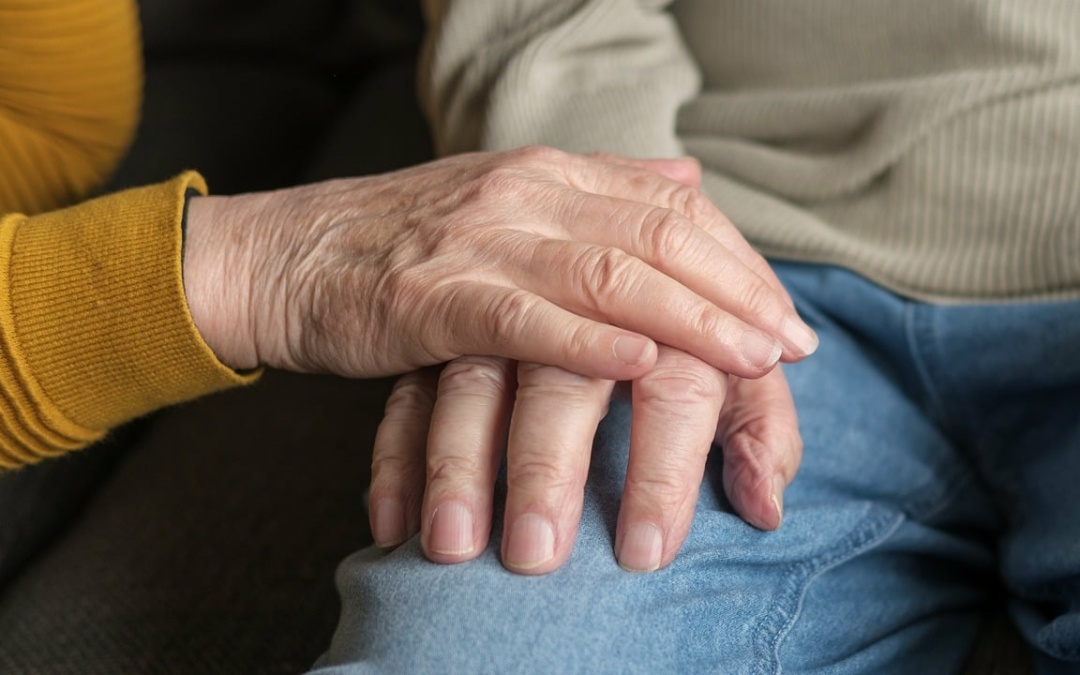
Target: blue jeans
941 463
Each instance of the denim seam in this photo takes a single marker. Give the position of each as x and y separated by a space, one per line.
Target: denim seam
775 626
872 531
916 335
921 348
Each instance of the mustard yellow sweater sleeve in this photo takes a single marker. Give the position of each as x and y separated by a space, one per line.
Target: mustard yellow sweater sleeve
94 323
94 326
70 90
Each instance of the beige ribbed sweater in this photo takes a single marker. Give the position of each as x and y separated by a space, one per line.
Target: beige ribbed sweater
930 145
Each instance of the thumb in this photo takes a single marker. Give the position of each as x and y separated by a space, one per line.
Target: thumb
759 433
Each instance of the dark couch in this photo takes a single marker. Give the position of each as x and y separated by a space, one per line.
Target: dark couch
204 538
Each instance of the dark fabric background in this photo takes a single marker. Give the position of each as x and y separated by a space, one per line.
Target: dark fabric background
204 539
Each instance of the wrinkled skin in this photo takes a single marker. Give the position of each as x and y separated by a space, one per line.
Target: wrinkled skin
553 275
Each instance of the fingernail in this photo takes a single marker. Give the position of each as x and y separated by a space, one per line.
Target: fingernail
531 542
760 350
642 548
451 529
799 335
388 522
779 485
631 350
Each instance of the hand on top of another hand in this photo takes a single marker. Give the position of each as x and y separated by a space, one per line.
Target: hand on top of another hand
445 433
536 255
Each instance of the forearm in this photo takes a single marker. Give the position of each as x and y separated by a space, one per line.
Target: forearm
581 75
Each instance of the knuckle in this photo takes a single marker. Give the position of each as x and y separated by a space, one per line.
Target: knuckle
670 235
705 320
389 472
452 469
538 374
576 347
761 302
537 155
411 398
442 324
497 184
580 345
663 488
475 375
682 387
540 474
757 302
508 175
606 273
691 202
746 463
508 316
500 182
542 381
402 286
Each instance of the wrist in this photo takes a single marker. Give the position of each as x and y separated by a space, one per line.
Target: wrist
215 264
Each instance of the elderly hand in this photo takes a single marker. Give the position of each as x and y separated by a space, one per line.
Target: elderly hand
442 440
536 255
444 434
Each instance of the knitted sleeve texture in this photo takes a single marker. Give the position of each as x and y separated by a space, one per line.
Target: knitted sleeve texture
94 326
94 323
581 75
70 83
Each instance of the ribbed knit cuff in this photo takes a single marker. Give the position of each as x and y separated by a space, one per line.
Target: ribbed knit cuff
94 321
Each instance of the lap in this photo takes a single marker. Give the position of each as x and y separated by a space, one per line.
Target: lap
884 562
